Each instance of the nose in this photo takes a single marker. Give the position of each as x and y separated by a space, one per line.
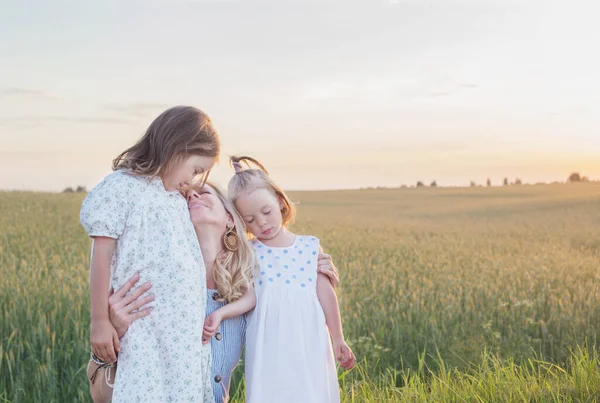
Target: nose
192 195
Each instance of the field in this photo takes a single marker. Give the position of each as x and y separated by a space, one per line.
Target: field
478 294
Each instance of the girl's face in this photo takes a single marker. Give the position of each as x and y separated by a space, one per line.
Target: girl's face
206 208
183 173
261 211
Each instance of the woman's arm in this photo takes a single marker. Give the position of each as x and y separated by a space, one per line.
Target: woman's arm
329 303
103 336
232 310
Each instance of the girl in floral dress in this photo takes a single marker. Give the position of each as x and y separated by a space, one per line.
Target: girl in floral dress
139 223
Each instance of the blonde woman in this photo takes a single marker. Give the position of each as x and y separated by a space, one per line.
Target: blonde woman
230 263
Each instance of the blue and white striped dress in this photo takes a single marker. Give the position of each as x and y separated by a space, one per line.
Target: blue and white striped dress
226 348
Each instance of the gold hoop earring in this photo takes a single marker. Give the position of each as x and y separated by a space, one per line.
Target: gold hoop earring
231 240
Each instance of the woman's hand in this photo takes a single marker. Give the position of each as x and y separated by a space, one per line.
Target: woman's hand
124 309
325 266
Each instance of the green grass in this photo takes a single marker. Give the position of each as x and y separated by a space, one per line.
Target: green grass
477 295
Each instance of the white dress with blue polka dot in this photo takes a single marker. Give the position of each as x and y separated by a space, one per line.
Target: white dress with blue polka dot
289 357
226 347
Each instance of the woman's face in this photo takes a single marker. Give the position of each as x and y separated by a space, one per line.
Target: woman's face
206 208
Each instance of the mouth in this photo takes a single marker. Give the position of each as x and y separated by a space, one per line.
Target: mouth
266 232
197 205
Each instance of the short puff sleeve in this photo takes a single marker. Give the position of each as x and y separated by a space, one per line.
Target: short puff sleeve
105 210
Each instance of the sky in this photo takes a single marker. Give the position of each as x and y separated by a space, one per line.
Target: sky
327 94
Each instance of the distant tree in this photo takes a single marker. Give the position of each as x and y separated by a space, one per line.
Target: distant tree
68 190
473 184
585 179
489 182
433 184
81 189
518 182
420 184
574 177
505 183
403 186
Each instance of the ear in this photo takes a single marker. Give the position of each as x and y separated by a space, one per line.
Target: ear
230 222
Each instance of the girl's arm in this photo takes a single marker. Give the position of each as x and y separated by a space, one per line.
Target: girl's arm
329 303
231 310
125 307
103 336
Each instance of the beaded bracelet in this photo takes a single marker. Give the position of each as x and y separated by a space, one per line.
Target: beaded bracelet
101 365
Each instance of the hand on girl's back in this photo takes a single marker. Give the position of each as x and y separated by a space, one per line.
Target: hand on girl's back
325 265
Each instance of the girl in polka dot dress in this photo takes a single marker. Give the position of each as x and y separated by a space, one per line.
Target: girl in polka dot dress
289 354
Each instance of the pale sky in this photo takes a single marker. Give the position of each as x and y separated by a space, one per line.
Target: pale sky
328 94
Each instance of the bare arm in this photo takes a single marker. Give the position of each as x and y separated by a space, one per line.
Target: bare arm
125 307
231 310
329 302
103 337
240 306
102 252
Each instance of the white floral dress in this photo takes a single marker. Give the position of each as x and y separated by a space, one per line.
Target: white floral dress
162 358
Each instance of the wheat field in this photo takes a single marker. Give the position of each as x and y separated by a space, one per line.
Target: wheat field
447 294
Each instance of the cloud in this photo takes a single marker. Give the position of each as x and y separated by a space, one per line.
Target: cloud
455 90
28 121
373 89
26 92
384 88
442 94
137 109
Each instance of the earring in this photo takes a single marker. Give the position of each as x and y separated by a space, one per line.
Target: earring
231 240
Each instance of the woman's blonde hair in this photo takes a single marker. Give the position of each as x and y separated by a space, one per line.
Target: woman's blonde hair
248 179
175 134
234 271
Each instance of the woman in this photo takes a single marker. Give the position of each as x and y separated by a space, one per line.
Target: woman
229 264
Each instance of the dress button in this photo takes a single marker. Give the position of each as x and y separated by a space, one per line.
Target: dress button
218 336
215 296
218 378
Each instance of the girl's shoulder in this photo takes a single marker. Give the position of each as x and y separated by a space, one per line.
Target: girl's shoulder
121 185
304 239
122 178
308 239
105 210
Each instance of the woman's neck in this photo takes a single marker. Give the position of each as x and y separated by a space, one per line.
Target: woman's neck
211 245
